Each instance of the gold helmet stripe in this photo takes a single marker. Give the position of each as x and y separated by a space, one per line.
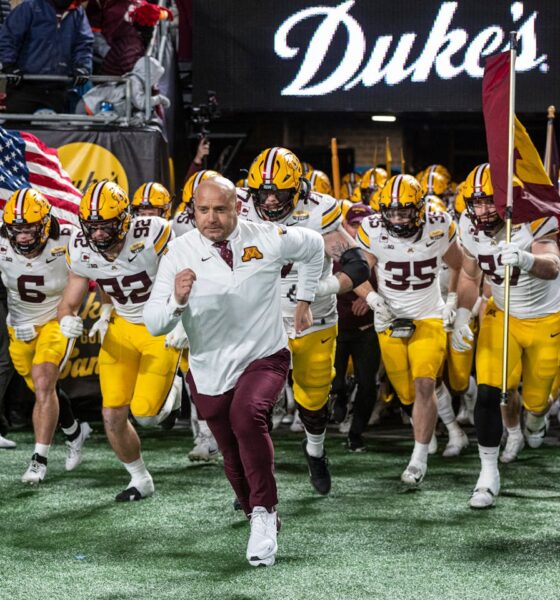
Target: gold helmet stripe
396 188
268 170
20 200
146 194
94 203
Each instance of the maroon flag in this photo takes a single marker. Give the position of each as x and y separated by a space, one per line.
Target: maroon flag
534 196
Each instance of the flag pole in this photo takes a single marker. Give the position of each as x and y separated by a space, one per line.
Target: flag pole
388 157
509 207
551 113
335 168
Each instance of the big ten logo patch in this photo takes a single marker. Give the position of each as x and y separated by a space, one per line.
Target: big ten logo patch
250 253
89 163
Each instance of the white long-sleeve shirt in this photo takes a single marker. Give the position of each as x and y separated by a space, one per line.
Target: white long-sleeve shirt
233 316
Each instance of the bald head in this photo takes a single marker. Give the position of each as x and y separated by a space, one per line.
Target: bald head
215 208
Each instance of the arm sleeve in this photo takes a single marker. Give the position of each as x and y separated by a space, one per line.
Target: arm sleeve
161 311
13 33
83 43
306 247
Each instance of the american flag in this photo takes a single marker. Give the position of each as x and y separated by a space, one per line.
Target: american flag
25 161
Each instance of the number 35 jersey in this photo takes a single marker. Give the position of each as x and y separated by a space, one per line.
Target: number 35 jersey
129 278
408 268
530 297
35 285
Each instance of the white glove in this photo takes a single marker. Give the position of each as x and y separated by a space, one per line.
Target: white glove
382 315
71 326
25 333
177 338
102 324
449 311
462 336
511 254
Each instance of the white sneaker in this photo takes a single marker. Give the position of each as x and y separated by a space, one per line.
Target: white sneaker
432 447
205 449
414 474
514 445
262 546
455 445
485 491
344 427
74 448
4 443
535 438
35 473
297 425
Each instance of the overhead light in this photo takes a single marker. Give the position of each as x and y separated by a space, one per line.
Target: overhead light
384 118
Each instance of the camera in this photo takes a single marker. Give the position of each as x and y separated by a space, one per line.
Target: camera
203 114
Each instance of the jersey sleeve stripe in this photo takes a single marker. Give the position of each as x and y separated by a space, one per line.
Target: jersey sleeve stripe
363 237
537 225
162 239
452 233
331 216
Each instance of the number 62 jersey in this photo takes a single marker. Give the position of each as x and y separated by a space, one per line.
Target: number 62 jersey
128 280
408 268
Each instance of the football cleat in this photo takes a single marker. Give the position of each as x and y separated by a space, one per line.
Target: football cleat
262 546
205 449
535 435
455 445
355 443
485 492
4 443
413 475
143 488
318 471
514 445
36 471
74 447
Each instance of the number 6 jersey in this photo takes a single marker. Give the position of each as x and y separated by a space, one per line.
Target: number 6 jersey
35 285
408 268
129 278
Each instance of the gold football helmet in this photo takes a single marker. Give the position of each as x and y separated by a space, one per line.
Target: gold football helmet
27 211
433 182
348 184
371 181
320 182
152 195
478 191
186 204
402 205
277 173
105 206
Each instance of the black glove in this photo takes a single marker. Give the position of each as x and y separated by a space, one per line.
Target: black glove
81 76
14 73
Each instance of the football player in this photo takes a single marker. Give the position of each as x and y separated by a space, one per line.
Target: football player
348 184
152 199
407 248
32 248
371 181
278 192
534 321
136 370
183 219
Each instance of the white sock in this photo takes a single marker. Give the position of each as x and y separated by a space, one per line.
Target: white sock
137 470
42 450
315 444
488 466
420 454
534 422
453 429
72 429
444 404
514 431
204 429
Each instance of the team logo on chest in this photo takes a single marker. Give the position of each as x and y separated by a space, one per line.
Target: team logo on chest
250 253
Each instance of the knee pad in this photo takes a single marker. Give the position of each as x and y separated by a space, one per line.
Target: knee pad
487 416
314 421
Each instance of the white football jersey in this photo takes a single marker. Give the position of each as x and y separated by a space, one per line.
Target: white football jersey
320 213
35 285
408 268
129 278
530 297
182 222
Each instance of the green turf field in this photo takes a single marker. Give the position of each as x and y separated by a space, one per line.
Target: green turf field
368 539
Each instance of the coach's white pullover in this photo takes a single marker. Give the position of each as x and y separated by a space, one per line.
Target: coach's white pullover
233 316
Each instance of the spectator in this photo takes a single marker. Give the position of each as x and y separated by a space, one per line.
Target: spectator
200 159
44 37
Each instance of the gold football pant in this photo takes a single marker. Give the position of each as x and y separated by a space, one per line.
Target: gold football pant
50 346
313 367
135 368
533 355
420 355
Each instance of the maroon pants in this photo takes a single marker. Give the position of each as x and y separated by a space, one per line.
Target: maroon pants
238 419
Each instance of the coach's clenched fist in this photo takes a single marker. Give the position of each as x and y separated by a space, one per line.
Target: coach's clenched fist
183 285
